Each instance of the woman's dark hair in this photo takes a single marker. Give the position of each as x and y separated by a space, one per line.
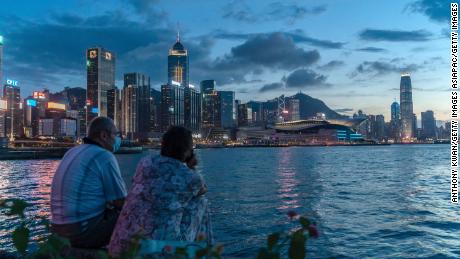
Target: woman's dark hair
175 142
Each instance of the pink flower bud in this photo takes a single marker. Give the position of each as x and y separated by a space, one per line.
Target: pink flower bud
168 248
200 237
313 231
292 214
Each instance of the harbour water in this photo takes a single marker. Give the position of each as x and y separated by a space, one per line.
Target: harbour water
370 201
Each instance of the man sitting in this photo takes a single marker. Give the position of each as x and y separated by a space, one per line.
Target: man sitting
87 192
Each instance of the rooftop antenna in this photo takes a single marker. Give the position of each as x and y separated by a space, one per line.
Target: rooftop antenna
178 34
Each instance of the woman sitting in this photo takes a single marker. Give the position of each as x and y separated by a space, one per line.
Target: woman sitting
166 200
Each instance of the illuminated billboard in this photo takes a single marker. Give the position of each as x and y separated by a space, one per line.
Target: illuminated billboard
93 54
95 110
11 82
3 105
39 95
57 106
31 102
108 56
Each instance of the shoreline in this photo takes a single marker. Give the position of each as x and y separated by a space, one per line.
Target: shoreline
58 153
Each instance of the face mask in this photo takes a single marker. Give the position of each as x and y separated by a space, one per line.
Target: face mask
116 144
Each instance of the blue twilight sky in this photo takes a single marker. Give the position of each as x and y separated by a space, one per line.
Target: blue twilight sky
348 53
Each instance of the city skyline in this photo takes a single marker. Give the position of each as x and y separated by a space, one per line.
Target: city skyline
350 67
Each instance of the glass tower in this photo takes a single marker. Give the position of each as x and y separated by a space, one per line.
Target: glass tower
1 60
395 111
407 117
228 111
100 78
136 106
178 64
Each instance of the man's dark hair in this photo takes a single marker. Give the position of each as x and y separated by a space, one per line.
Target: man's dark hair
98 125
175 142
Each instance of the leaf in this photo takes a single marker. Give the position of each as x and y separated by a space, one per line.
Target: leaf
181 251
200 253
263 253
272 240
17 207
304 222
57 243
297 246
21 238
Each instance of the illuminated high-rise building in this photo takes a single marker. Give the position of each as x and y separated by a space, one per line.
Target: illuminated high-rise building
428 125
178 74
407 113
100 67
31 117
136 106
210 105
227 109
395 111
192 109
172 106
155 110
394 130
1 59
178 64
14 114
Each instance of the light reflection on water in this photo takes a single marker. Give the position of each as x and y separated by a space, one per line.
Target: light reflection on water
386 202
287 181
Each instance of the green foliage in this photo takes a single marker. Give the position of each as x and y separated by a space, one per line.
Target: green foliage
21 238
15 207
297 240
52 245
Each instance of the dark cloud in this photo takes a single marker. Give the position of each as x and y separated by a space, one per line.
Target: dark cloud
372 49
261 52
395 35
332 65
142 6
276 11
292 12
271 87
305 78
436 10
240 11
344 110
274 50
376 68
298 36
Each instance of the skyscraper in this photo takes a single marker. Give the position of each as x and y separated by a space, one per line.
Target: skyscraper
136 106
178 74
395 111
14 114
210 105
1 59
428 125
394 131
192 109
227 108
155 110
30 117
172 106
100 68
407 117
178 64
